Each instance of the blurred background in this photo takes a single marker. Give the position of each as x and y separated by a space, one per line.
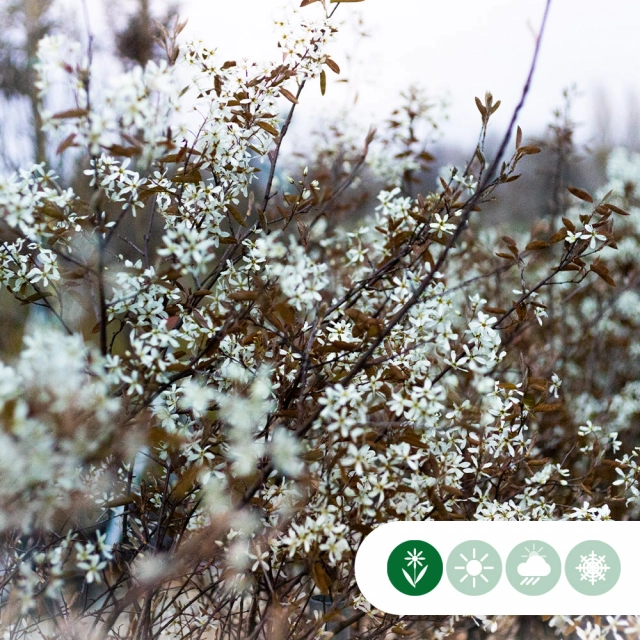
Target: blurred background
453 51
458 50
412 68
422 58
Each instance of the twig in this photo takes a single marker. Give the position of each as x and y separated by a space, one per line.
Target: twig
276 153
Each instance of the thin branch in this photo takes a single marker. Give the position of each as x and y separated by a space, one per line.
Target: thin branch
276 153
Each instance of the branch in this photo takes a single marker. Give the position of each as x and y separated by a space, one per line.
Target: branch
276 153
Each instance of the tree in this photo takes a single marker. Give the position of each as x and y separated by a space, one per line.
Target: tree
25 22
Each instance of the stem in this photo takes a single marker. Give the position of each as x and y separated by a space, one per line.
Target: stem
274 161
102 300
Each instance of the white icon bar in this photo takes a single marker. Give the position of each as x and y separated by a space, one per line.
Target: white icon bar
555 567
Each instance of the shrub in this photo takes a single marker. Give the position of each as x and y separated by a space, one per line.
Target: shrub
230 388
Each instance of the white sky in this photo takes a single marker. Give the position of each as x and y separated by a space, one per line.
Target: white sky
459 49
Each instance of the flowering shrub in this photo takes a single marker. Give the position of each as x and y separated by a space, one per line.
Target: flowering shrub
266 385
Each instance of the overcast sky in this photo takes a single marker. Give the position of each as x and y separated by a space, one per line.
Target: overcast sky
460 49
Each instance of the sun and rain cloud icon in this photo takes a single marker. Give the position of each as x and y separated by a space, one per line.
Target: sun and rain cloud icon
534 567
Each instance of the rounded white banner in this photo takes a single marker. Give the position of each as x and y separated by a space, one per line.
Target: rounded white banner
502 568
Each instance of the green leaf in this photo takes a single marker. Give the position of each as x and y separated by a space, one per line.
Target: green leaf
408 577
421 574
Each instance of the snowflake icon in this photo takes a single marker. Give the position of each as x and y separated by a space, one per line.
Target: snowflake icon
593 567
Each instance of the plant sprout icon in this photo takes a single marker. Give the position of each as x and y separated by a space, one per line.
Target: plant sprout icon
415 558
474 568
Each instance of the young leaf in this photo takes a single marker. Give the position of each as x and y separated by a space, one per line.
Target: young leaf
618 210
265 126
66 143
602 271
399 631
580 193
518 137
70 113
288 95
536 245
332 65
558 236
320 577
237 216
323 82
127 152
545 408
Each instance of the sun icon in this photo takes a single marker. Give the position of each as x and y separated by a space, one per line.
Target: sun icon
474 567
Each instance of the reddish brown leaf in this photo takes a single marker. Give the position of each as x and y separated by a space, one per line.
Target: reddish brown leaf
287 94
172 322
119 150
70 113
602 271
581 194
618 210
518 137
332 65
547 407
66 143
495 310
321 578
537 245
265 126
558 236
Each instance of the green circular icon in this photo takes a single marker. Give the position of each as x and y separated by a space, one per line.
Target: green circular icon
414 567
533 567
474 567
592 567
